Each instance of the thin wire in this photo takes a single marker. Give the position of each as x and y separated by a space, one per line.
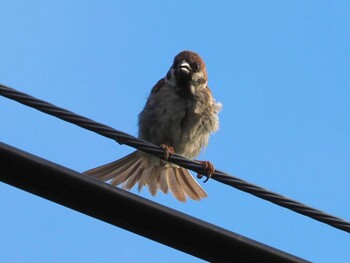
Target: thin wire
124 138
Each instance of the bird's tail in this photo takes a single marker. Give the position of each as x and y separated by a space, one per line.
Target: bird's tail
138 167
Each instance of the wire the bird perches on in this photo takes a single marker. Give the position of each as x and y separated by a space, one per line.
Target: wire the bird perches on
124 138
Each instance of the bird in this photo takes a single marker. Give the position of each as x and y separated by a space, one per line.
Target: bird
180 114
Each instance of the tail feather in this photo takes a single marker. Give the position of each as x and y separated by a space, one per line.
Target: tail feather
186 187
174 185
190 185
121 173
138 167
154 183
105 172
145 177
163 185
135 174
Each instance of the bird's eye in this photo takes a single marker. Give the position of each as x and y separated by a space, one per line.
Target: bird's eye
195 66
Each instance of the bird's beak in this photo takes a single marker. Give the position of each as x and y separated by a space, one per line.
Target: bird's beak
185 68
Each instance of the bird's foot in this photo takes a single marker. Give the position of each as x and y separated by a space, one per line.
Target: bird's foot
168 151
208 168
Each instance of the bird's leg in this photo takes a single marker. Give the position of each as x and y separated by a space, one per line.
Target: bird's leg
208 168
168 151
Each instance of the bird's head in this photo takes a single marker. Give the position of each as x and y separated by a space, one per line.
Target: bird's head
188 72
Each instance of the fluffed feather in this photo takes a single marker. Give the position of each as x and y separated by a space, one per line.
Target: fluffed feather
139 167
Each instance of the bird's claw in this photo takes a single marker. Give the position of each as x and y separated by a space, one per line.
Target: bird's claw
168 151
209 170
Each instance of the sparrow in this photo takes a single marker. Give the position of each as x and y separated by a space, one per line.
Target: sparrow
180 114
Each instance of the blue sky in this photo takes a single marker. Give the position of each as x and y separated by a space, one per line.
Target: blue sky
280 69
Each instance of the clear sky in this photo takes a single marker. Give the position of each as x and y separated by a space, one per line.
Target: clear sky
280 68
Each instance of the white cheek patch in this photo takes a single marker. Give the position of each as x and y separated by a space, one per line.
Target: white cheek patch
192 89
197 76
198 82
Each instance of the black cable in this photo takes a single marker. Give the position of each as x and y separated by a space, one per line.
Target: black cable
124 138
131 212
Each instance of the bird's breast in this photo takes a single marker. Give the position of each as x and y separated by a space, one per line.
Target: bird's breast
176 121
